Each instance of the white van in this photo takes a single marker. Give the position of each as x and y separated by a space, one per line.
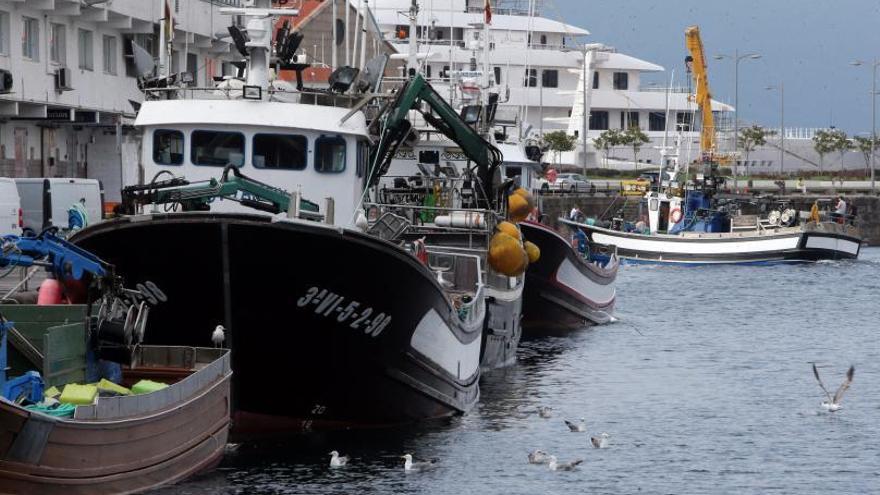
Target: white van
10 208
44 202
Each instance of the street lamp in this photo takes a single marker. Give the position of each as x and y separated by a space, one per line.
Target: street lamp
737 58
781 88
873 111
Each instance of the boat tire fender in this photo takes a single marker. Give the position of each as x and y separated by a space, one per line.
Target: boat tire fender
675 215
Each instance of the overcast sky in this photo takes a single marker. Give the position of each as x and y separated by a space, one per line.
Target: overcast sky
807 44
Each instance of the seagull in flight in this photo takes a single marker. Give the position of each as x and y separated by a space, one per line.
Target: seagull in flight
338 461
555 465
832 404
538 457
545 411
409 465
577 427
600 442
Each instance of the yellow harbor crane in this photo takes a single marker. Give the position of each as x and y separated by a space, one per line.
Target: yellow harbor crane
703 98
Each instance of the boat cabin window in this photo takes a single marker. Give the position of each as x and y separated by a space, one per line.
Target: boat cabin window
280 151
167 147
330 155
363 157
217 148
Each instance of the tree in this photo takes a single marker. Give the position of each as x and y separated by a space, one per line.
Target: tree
864 145
634 138
558 142
828 141
750 138
606 141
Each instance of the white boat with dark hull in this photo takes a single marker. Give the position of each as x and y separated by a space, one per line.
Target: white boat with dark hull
564 290
809 242
353 328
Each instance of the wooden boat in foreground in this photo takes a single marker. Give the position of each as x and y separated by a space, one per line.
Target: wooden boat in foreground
124 444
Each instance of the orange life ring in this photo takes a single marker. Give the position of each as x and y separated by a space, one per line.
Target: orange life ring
675 215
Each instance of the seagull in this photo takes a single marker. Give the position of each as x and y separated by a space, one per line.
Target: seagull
577 427
600 442
409 465
545 411
564 466
338 461
833 403
218 336
538 457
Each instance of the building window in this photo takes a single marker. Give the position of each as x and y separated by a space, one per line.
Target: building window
684 121
330 155
167 147
58 44
621 80
550 78
543 39
599 120
428 71
30 38
217 149
86 50
596 80
110 55
444 74
4 33
497 71
630 120
531 78
280 151
656 121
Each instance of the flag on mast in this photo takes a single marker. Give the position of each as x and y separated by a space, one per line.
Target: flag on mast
487 6
168 22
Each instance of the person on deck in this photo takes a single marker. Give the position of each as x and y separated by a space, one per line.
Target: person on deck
574 214
839 210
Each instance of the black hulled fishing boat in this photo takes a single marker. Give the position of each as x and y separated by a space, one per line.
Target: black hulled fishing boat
332 322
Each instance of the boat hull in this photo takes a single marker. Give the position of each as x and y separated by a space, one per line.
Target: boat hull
105 454
328 327
786 246
563 290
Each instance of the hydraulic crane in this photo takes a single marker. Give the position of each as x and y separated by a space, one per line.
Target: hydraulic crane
197 196
393 128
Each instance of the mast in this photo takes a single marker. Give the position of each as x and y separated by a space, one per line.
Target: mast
333 13
363 63
412 63
259 30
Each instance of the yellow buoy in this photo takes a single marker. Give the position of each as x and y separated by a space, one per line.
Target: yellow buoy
518 208
509 229
506 255
533 251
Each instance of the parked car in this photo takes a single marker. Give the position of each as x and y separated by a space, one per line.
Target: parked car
10 208
571 182
45 202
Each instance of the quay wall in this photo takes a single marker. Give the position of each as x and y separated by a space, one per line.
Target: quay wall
597 205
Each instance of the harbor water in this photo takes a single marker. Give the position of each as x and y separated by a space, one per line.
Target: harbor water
704 386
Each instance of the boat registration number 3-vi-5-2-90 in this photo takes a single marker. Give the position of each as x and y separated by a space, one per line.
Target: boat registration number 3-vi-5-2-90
330 305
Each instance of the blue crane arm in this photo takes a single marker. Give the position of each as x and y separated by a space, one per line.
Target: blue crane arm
66 260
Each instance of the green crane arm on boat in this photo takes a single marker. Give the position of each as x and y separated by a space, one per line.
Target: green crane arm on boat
231 185
393 128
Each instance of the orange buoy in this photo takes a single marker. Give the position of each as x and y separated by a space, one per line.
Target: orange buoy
50 293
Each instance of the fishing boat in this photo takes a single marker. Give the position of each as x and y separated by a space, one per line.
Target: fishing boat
124 444
565 289
687 223
368 331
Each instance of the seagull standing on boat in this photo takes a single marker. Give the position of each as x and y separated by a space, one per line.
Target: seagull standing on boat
337 460
545 411
538 457
832 404
555 465
218 336
600 442
577 427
